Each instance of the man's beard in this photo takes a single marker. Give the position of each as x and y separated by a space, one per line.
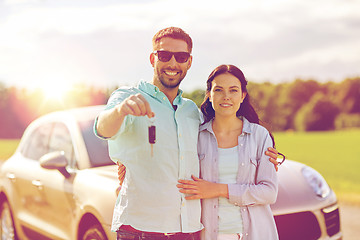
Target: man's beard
170 84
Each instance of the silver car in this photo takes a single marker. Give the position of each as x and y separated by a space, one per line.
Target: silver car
61 184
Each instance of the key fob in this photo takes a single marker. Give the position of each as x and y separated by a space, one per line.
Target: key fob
152 134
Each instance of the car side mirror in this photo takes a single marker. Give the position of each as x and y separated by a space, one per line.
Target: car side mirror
55 160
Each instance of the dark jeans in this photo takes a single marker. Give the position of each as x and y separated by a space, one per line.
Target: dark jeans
129 235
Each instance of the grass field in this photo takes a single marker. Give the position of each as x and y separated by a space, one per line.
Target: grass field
335 154
7 148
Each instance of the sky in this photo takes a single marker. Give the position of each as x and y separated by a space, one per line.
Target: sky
107 43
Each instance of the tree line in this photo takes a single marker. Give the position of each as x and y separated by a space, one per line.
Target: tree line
301 105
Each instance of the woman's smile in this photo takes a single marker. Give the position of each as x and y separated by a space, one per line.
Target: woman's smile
226 105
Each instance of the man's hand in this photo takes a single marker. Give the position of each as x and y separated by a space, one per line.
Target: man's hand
121 173
135 105
273 154
109 121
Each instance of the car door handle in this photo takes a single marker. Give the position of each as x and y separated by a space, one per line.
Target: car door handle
37 184
11 177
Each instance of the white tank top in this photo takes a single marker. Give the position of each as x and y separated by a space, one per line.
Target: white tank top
230 220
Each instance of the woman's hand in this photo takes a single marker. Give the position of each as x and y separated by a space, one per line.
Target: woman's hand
199 189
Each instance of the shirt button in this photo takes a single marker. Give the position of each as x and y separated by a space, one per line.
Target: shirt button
179 134
244 209
242 164
241 144
164 98
182 157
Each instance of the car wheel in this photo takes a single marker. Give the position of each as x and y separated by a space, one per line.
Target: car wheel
95 232
7 228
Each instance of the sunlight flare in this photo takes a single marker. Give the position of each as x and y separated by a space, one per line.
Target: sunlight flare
55 92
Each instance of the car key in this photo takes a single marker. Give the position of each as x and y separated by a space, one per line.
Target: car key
152 135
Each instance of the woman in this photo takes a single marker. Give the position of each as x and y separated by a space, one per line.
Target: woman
238 182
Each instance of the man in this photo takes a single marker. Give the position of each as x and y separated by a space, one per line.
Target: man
149 205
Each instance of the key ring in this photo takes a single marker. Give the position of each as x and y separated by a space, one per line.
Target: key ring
283 158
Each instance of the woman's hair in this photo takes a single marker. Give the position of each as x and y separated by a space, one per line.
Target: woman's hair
175 33
246 109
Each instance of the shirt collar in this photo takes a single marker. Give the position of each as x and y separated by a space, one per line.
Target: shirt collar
148 88
208 126
246 126
155 92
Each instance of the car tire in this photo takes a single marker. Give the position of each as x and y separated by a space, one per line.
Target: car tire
7 228
95 232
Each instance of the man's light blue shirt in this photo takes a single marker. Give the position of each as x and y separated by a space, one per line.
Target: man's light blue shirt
149 199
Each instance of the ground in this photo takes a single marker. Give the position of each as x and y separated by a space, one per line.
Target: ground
349 217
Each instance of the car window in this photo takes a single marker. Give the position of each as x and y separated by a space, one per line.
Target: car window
97 148
60 140
36 145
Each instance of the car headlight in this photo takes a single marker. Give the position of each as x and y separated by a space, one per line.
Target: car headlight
316 181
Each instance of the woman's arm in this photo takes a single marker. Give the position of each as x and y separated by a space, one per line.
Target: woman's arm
265 189
200 189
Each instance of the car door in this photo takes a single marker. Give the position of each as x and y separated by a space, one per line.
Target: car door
44 200
57 190
27 198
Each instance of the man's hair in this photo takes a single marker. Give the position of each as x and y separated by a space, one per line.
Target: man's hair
175 33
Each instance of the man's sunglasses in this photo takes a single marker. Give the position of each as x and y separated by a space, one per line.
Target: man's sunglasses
165 56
